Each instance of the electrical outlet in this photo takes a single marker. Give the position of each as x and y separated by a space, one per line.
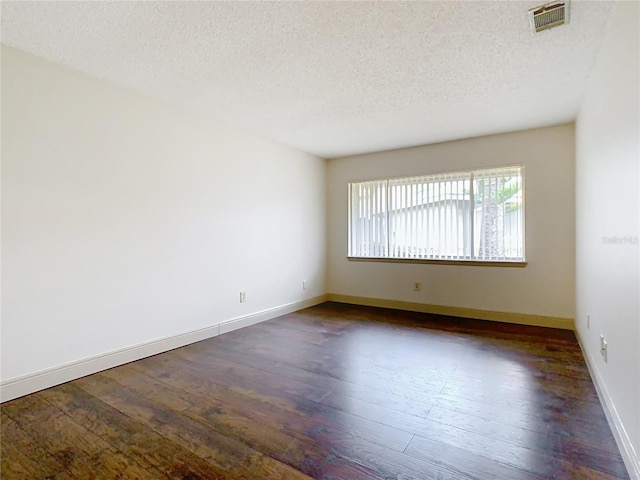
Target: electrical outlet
304 284
603 347
243 297
417 286
588 321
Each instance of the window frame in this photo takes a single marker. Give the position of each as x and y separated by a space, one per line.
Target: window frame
472 261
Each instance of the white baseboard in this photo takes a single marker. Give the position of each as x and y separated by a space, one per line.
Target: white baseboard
17 387
252 319
629 454
495 316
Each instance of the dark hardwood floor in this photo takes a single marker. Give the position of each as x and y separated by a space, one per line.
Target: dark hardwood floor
331 392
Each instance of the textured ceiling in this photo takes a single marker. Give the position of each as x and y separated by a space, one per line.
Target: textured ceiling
330 78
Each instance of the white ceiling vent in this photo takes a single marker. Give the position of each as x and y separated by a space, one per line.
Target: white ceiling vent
548 16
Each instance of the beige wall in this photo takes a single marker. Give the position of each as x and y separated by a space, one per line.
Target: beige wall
607 201
544 287
126 220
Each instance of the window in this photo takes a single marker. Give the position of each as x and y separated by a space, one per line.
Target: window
463 216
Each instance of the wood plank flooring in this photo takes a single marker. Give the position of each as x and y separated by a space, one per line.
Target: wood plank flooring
331 392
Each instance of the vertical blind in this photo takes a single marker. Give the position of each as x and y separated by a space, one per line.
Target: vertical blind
473 215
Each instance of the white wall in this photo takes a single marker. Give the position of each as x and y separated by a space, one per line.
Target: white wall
544 287
126 220
607 202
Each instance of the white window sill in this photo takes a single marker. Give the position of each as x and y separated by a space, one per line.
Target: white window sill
443 261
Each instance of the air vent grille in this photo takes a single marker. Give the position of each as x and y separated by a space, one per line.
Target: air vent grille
548 16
